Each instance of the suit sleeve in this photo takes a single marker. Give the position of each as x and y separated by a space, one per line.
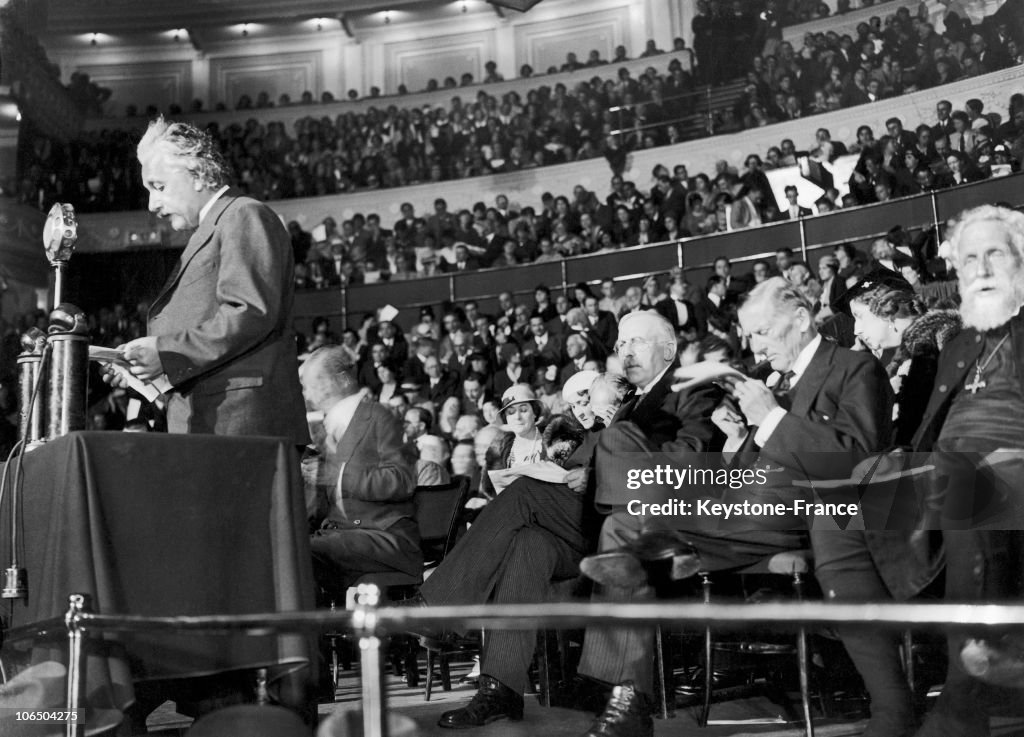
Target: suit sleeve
696 432
387 475
255 254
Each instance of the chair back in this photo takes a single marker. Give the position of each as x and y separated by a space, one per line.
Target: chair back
437 513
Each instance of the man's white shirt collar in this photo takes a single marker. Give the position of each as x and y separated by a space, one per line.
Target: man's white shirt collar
339 417
803 359
209 203
655 380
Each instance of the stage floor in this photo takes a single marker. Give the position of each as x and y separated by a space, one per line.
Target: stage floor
556 722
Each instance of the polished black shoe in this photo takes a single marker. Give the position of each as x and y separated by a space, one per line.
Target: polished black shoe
492 701
627 714
720 680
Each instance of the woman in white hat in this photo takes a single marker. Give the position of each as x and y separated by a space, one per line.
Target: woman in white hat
521 411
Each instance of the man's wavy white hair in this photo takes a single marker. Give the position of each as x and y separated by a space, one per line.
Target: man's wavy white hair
188 147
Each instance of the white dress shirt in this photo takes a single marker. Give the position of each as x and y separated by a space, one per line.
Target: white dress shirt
336 423
775 416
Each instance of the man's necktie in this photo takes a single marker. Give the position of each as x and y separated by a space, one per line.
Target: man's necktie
781 390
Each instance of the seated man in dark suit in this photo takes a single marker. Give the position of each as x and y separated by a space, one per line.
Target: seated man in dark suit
439 384
682 315
365 479
712 308
603 325
542 345
657 420
463 261
794 210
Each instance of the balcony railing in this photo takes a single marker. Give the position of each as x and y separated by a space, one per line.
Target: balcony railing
695 256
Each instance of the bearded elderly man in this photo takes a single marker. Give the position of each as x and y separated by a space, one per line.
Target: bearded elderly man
974 423
220 330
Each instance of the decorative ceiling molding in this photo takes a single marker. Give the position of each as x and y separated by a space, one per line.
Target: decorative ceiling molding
132 16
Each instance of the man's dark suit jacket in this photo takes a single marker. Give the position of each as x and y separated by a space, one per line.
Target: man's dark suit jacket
841 408
458 370
552 352
606 330
696 320
378 478
805 212
956 367
412 370
368 377
659 421
708 311
841 413
223 327
500 381
447 386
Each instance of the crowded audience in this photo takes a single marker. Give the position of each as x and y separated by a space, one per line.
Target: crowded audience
538 396
394 146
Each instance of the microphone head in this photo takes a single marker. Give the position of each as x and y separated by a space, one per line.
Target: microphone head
67 318
33 340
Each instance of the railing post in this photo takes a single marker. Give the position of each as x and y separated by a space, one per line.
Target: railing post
679 255
935 216
565 277
803 241
711 114
451 288
344 305
77 604
364 621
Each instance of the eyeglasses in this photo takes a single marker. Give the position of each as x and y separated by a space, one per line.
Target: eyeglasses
635 345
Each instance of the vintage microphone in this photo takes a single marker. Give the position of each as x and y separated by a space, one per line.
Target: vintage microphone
60 361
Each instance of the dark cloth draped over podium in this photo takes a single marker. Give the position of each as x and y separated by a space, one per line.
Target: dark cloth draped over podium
163 525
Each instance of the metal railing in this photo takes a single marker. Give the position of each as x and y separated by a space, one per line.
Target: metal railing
371 623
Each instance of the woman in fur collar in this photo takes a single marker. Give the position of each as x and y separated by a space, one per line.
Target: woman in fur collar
889 314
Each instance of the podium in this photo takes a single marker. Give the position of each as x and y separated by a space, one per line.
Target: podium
164 525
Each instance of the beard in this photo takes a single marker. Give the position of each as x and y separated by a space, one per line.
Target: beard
991 309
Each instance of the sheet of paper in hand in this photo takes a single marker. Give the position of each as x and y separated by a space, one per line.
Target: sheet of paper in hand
704 372
116 361
106 355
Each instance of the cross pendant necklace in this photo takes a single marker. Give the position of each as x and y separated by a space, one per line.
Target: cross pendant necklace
979 367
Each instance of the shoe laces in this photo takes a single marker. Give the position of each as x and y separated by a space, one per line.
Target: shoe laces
619 705
482 702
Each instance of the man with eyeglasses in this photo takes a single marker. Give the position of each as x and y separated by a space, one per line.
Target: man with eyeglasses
655 420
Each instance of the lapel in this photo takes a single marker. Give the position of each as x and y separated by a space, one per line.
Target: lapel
813 379
1017 339
202 235
355 432
652 400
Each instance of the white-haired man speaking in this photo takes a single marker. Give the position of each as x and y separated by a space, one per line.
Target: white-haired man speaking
220 329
